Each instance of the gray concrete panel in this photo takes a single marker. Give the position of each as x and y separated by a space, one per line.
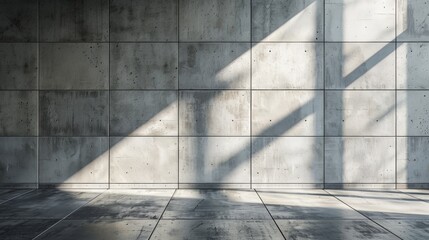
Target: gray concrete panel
74 66
18 113
140 113
214 65
74 21
143 20
73 113
143 66
18 21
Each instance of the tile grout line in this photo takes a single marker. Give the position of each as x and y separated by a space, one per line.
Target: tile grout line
178 94
422 200
53 225
38 99
362 214
17 196
251 97
108 111
160 217
396 95
324 95
270 214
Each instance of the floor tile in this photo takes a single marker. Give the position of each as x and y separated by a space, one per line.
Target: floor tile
333 230
216 229
216 204
125 204
407 229
46 204
23 229
306 204
417 193
86 229
383 204
8 194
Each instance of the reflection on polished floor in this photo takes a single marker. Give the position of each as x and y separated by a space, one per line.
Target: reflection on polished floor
214 214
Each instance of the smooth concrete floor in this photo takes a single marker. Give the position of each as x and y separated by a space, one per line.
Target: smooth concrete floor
214 214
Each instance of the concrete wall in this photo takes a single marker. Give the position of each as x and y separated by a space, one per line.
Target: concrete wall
214 93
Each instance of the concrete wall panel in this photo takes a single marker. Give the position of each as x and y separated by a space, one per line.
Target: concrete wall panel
71 21
74 66
214 160
287 66
74 160
282 20
18 66
211 113
73 113
360 160
143 66
287 113
220 20
18 113
143 160
287 160
413 160
413 59
214 65
360 113
18 160
143 20
18 21
140 113
360 20
360 66
413 22
413 112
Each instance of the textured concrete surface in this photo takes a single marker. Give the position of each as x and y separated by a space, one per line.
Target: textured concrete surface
413 159
413 113
412 20
305 204
221 20
143 160
333 230
360 113
18 21
140 113
214 214
18 159
214 113
384 205
143 66
73 113
214 93
143 20
125 205
18 66
216 229
214 65
412 61
287 66
360 20
114 229
73 160
360 66
70 21
18 113
214 160
280 20
287 160
74 66
360 160
271 118
215 204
